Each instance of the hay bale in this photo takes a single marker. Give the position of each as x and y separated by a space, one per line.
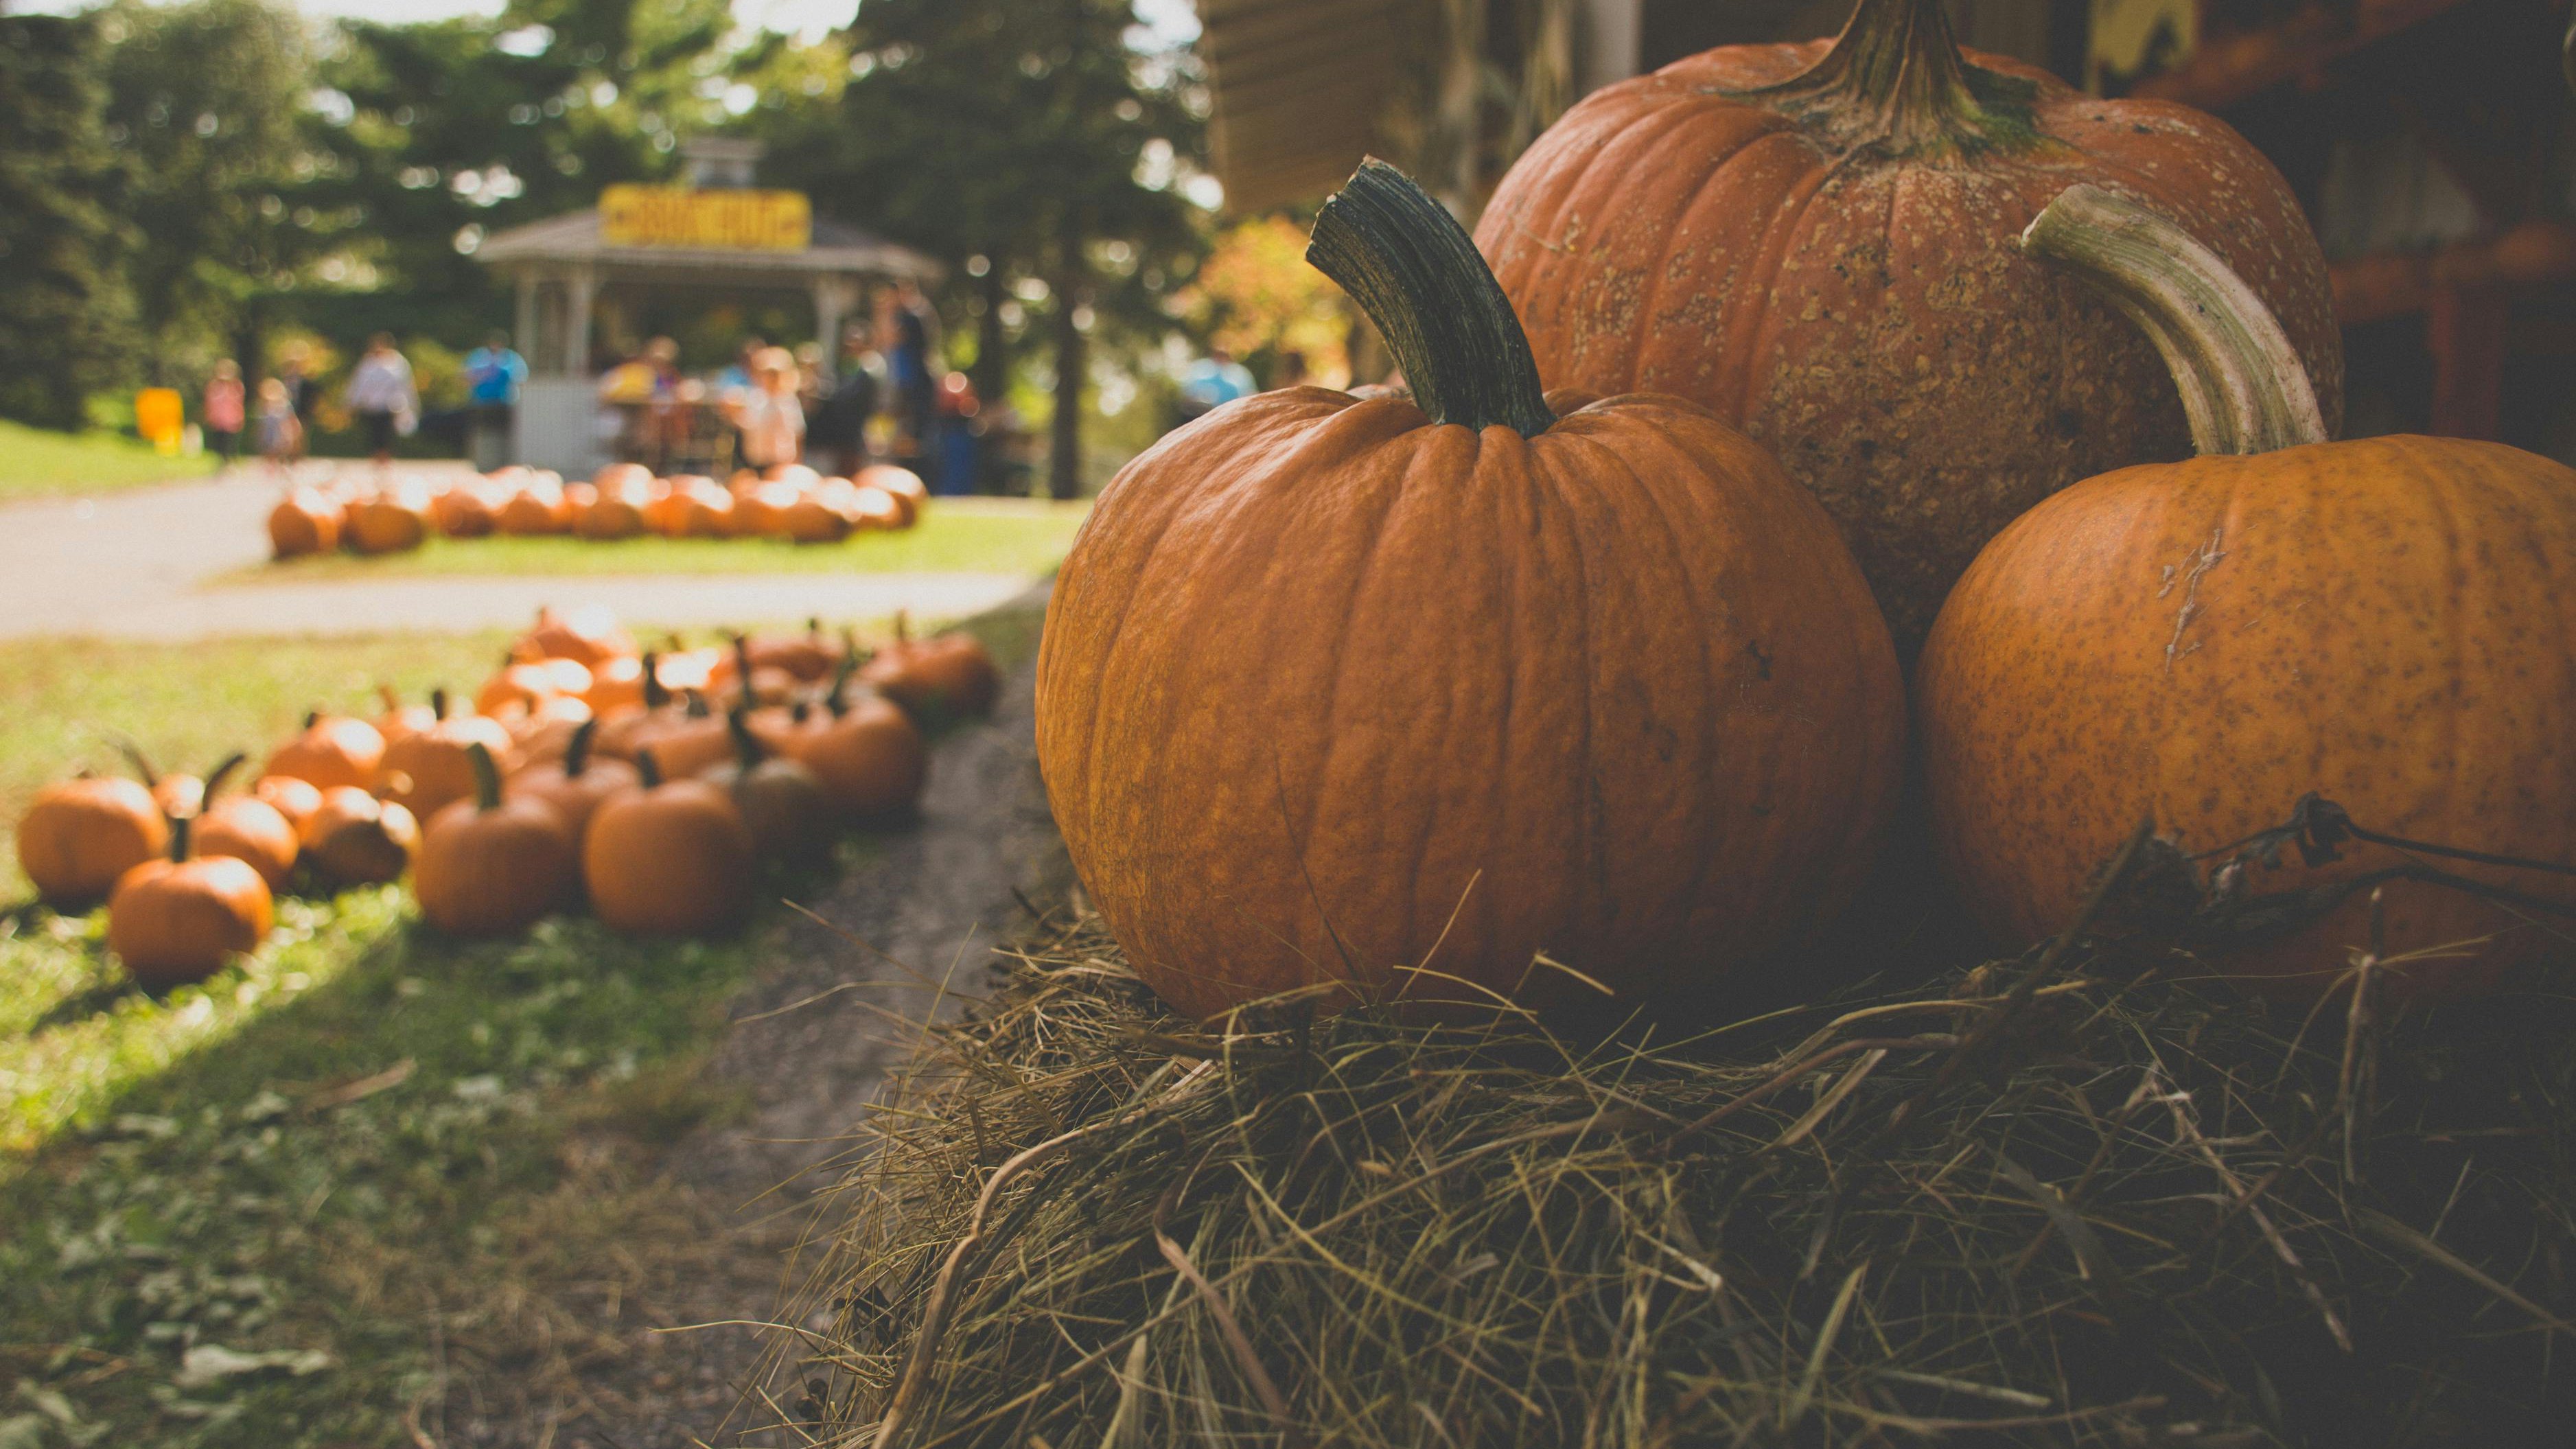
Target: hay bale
2105 1204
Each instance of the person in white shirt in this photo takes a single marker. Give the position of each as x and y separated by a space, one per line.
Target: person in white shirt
771 420
380 394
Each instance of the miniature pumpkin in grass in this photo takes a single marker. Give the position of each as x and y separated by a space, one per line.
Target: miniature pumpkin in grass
1606 688
873 508
618 686
332 750
911 495
523 684
178 919
174 794
810 656
783 802
947 674
576 784
248 829
1816 242
399 721
354 838
79 837
429 770
813 519
305 521
2390 622
668 858
470 509
293 798
535 507
494 866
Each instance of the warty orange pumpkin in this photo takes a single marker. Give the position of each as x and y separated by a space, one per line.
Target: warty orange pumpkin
1386 701
1816 242
2390 622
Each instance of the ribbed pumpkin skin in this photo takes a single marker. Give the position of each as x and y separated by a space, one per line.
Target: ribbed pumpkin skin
1868 318
1315 666
2389 622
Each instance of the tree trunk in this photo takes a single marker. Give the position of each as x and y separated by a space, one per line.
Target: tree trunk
1064 463
992 364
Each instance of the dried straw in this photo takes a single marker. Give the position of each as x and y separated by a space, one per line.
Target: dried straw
2082 1198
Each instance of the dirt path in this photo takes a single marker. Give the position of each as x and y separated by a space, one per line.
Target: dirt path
811 1041
133 565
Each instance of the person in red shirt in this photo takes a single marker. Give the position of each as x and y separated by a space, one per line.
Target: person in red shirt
222 418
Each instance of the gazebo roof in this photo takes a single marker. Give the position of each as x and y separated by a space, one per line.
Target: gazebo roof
575 237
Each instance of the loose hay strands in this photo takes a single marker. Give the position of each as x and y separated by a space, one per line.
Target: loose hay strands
2075 1199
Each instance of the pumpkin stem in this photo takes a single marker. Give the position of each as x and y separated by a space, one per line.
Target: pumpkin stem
1897 80
487 777
1413 269
746 745
133 753
742 665
577 752
179 832
392 701
312 717
438 703
655 696
2244 389
215 778
648 769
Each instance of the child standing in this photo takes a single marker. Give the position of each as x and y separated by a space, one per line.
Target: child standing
223 413
281 433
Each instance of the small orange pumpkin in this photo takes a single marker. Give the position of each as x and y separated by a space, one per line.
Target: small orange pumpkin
589 636
577 783
946 675
493 866
290 797
911 495
869 755
668 858
784 804
304 521
354 838
177 920
332 750
79 837
247 829
394 520
428 770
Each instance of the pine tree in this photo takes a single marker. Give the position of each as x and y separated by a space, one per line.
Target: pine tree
65 319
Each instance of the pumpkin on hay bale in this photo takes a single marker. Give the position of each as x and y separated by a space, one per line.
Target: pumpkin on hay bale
2087 1196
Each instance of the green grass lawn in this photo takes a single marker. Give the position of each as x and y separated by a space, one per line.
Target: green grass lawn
38 463
956 535
289 1206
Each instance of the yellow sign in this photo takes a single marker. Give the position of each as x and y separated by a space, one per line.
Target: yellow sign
159 418
676 216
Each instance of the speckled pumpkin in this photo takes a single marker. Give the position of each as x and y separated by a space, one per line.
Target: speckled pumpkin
2390 622
1391 701
1815 242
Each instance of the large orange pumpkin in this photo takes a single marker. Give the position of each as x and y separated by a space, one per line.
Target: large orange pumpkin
668 859
180 918
2390 622
1816 243
1331 689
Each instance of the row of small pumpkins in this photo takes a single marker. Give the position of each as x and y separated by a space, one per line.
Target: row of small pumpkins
791 502
653 785
1393 696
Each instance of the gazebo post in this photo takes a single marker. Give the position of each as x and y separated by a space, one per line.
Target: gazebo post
526 323
582 290
834 295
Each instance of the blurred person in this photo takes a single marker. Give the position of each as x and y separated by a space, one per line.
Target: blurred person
837 428
1291 371
736 376
222 415
295 371
769 420
635 399
280 433
494 374
959 428
905 327
1211 383
380 394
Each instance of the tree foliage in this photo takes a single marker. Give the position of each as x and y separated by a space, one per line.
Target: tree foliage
64 311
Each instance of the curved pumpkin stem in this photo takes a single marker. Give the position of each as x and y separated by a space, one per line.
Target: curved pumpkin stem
648 769
1417 274
487 777
438 703
655 696
746 745
134 756
1896 79
215 779
2244 388
180 844
577 752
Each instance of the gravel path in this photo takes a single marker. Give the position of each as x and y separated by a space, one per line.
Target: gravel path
813 1037
132 565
